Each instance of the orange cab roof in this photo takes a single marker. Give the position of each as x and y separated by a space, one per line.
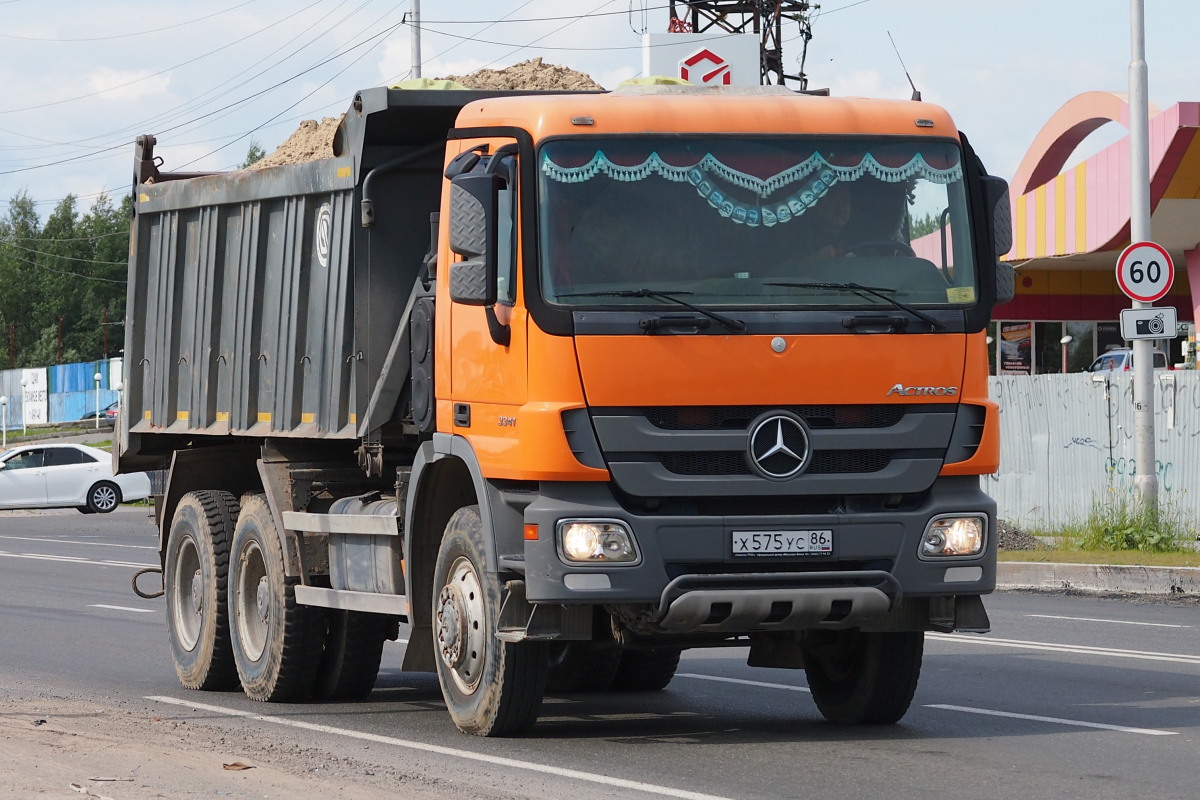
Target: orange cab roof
691 110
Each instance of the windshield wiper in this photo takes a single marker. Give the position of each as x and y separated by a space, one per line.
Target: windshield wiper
873 291
730 323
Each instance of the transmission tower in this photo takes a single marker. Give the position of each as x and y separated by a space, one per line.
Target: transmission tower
763 17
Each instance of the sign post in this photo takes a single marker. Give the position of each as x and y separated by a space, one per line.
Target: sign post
1145 479
1145 273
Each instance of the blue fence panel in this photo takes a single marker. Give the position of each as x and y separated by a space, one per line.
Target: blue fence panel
68 406
78 377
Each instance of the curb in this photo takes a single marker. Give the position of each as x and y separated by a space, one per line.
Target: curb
1098 578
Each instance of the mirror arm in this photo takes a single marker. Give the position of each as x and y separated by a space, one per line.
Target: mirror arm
501 333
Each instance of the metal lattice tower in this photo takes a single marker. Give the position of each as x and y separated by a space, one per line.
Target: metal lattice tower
763 17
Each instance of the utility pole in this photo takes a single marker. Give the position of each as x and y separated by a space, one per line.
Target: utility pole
753 16
415 23
1145 480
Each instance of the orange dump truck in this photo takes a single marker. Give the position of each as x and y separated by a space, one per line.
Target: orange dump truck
568 384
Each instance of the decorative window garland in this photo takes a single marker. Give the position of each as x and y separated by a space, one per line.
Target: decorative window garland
743 213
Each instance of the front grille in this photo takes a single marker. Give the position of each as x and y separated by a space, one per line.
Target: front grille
734 463
696 418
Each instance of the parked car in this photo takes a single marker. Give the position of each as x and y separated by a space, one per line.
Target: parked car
66 476
1122 359
108 414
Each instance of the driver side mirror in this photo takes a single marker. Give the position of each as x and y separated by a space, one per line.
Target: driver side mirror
473 234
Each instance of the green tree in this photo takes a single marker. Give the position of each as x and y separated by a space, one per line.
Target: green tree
71 269
20 232
255 153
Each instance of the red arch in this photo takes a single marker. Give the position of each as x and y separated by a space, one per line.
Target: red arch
1063 132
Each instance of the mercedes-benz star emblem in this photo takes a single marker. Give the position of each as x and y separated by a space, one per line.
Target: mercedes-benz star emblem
779 446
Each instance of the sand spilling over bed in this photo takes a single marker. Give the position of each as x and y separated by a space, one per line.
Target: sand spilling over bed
314 140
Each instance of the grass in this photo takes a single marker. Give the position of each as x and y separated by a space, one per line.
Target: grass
1120 530
1117 557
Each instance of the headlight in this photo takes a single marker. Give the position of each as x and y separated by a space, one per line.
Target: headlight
954 536
602 541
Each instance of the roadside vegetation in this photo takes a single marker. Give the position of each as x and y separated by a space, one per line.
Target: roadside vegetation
1116 531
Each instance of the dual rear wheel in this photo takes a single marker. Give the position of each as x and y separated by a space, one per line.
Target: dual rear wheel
232 616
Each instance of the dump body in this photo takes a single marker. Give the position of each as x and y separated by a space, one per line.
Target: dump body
632 371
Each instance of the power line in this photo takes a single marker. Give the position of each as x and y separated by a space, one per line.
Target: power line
367 52
505 19
246 99
128 35
153 75
519 48
37 252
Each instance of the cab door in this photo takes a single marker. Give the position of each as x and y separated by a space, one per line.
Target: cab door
69 473
485 363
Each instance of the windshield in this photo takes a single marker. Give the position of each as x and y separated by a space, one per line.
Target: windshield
754 222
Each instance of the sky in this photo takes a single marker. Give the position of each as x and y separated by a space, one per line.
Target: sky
80 79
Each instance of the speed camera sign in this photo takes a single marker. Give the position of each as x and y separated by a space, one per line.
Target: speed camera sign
1145 271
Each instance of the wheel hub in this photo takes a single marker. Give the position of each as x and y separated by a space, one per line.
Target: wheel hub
262 600
451 626
197 593
460 626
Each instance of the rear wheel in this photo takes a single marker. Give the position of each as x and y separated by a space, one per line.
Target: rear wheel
276 643
197 566
103 497
864 678
353 650
582 666
646 670
491 687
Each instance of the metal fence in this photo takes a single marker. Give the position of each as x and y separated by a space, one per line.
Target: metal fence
1067 443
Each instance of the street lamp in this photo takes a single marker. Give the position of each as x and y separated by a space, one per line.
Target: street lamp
1064 341
98 378
4 421
24 421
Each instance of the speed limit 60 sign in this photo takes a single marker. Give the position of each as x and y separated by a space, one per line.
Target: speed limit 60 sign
1145 271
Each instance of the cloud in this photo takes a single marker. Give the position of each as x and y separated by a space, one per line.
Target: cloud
126 85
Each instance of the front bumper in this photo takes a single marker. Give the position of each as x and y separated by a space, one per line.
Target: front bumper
688 575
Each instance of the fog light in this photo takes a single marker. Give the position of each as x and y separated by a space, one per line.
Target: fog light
953 536
596 541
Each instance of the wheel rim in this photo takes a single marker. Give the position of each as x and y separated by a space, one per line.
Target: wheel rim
253 601
459 626
187 606
104 498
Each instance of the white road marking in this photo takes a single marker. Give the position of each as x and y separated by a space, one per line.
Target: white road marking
988 712
1084 650
783 686
77 560
73 541
1110 621
124 608
1074 722
499 761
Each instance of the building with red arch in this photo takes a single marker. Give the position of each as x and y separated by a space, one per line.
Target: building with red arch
1070 225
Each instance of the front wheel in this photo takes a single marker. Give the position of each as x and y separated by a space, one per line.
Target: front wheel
491 688
646 670
863 678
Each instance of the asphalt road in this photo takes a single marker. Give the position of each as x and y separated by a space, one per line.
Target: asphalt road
1068 697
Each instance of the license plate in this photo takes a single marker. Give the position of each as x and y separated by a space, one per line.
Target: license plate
783 543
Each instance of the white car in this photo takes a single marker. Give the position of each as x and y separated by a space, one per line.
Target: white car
66 476
1121 359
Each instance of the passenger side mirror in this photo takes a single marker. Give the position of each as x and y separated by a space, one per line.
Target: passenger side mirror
996 195
473 234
